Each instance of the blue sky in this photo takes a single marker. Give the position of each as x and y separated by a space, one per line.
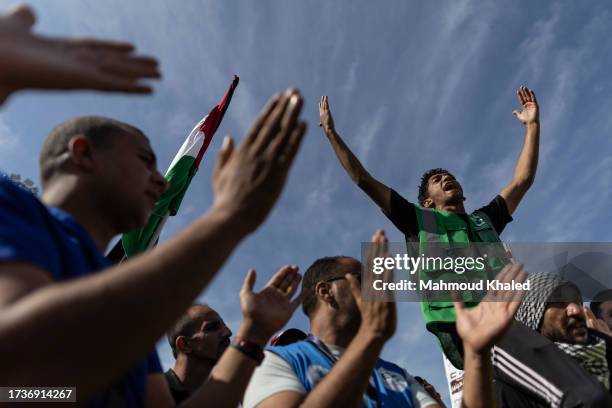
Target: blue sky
412 85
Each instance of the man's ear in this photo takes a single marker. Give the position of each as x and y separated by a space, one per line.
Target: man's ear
323 292
182 345
80 151
428 203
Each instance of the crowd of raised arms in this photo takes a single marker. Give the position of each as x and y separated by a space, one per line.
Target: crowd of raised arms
61 298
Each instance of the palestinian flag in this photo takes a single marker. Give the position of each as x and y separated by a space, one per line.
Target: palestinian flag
179 175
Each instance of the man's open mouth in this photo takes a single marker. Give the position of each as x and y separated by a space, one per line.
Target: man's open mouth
450 185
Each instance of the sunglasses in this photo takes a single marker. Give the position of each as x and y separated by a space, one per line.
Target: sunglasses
356 275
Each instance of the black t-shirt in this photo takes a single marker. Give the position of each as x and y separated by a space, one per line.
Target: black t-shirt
509 396
177 389
403 215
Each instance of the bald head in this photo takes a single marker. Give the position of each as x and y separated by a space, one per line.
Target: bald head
99 131
190 323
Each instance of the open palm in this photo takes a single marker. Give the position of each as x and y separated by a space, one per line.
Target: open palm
269 310
530 112
325 116
482 326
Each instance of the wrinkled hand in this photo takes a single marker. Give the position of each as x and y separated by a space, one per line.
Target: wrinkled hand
33 61
530 113
249 179
482 326
596 324
266 312
325 116
378 318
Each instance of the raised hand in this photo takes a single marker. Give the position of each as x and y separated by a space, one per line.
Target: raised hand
378 318
33 61
249 179
325 116
594 323
482 326
530 112
266 312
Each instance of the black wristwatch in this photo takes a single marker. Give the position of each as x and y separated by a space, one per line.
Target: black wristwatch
250 349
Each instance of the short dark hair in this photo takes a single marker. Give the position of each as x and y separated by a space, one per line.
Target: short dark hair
97 129
598 300
185 326
321 269
423 191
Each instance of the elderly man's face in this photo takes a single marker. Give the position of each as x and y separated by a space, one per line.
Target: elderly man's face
564 318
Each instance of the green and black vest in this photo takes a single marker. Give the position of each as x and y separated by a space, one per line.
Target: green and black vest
452 231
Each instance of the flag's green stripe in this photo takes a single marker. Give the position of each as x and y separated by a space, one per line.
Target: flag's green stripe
179 177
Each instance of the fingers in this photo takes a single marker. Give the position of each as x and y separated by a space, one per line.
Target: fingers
518 295
293 145
324 113
280 122
458 303
296 302
292 288
95 44
281 275
378 246
134 67
288 125
525 95
532 96
110 83
249 282
590 317
261 119
382 243
519 93
227 148
289 279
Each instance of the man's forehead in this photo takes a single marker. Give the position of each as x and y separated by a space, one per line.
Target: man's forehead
442 173
349 265
127 135
566 293
204 314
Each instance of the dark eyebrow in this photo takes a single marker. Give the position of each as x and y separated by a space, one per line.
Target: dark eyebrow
148 153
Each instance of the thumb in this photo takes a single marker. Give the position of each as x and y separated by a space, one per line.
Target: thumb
22 15
249 281
227 148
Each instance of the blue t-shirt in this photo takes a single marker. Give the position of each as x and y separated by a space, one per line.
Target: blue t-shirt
54 241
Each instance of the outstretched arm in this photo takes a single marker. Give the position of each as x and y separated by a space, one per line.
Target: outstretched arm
380 193
480 328
525 170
